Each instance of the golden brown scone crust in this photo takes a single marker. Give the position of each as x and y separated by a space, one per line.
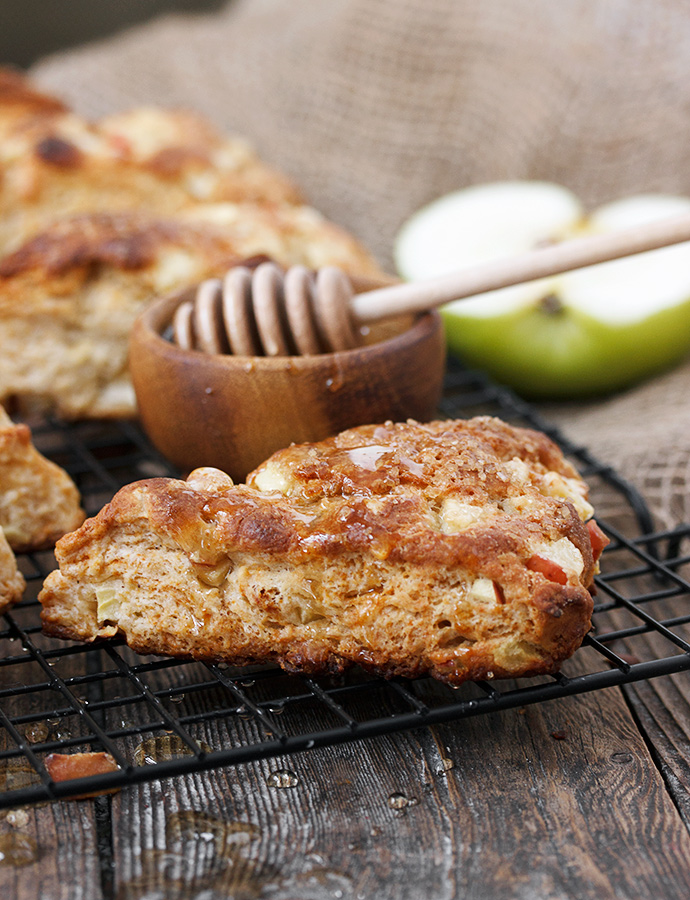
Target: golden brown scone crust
54 163
11 580
39 502
23 106
181 146
455 548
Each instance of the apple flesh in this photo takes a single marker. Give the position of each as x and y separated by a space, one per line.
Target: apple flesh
579 334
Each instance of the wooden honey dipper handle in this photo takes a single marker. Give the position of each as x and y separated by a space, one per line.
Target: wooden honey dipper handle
266 312
578 253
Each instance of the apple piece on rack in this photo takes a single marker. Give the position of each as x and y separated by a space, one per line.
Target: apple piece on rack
582 333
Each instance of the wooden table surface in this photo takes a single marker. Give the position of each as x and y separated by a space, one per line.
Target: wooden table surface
584 797
579 797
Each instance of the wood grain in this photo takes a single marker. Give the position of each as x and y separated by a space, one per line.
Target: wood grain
661 706
67 863
662 709
558 800
49 850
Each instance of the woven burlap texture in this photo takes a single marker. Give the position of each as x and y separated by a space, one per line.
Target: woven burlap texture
377 106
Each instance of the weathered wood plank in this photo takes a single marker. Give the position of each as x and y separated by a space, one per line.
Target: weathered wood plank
662 707
560 800
51 852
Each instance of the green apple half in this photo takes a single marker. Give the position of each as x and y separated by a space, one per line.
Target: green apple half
583 333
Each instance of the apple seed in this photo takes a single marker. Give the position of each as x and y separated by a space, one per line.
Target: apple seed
552 305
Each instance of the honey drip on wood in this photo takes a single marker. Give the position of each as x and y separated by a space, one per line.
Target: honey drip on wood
17 849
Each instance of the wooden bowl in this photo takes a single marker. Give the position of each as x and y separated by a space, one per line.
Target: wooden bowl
232 412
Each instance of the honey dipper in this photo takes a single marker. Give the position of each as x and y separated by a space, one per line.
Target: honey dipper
270 313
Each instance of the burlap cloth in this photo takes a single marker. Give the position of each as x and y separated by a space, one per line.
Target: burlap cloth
377 106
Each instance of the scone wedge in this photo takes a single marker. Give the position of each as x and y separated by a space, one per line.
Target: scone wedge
39 502
12 582
459 549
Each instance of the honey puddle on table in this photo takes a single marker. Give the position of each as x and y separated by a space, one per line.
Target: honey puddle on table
207 855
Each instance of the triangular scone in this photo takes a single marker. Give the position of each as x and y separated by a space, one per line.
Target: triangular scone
11 580
39 502
456 548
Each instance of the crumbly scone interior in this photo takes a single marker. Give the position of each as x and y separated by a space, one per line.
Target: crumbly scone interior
320 617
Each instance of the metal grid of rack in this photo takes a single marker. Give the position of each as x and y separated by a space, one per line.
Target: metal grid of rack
159 717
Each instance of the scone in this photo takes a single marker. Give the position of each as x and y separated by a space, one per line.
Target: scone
99 218
11 580
69 296
182 147
55 163
24 108
39 502
458 549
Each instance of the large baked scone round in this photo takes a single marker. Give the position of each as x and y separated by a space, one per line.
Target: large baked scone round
70 295
458 549
99 218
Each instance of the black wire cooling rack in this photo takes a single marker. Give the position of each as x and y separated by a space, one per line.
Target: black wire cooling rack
159 717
